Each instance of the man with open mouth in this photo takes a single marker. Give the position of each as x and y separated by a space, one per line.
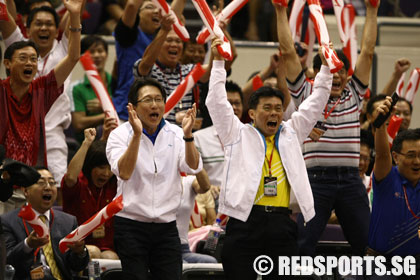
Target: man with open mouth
147 155
264 175
27 251
43 29
332 158
25 101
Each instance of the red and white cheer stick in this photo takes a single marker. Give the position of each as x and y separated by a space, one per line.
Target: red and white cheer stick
350 49
90 225
28 214
227 13
393 127
98 85
330 55
295 19
178 27
400 86
185 86
413 85
213 28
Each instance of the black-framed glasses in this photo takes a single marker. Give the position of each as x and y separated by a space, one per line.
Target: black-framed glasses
410 155
150 100
44 183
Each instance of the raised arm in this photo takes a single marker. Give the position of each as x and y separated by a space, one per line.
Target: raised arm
192 156
383 160
76 164
8 27
178 7
401 66
153 49
364 61
131 10
63 69
201 183
127 162
287 46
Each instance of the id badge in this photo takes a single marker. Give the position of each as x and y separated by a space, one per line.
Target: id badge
37 273
99 232
321 125
270 186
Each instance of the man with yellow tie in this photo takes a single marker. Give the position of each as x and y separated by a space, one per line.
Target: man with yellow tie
30 254
264 176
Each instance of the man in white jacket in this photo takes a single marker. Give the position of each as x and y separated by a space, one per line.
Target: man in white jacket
147 155
264 177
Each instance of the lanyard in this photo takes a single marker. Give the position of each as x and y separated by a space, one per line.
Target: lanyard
45 63
328 113
269 161
408 204
99 197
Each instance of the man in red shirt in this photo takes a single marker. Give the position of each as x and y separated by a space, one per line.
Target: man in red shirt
24 102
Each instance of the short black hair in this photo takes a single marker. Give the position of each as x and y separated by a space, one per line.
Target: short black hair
17 46
192 40
231 86
31 2
8 54
133 94
42 9
90 40
373 100
408 103
317 62
264 91
405 135
366 138
95 156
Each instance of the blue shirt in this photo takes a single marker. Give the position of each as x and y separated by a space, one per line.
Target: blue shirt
154 135
126 58
393 230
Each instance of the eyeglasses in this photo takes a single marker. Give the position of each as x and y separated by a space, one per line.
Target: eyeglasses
44 183
411 155
24 58
149 100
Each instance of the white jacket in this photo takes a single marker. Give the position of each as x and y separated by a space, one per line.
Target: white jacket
245 147
153 192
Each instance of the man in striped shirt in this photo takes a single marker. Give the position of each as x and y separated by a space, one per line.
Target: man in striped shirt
332 152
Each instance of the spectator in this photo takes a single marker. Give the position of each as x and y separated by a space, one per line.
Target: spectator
192 185
256 197
42 24
133 33
26 250
88 110
404 110
26 101
394 226
147 154
332 154
89 186
161 61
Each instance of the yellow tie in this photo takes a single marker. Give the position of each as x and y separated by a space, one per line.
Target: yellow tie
49 255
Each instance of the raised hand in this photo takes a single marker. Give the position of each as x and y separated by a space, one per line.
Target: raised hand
402 65
109 125
217 56
134 120
34 241
90 134
77 247
188 121
167 21
73 6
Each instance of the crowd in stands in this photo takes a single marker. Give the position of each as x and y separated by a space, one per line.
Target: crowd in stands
282 156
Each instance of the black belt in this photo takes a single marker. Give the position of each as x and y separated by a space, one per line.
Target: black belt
272 209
